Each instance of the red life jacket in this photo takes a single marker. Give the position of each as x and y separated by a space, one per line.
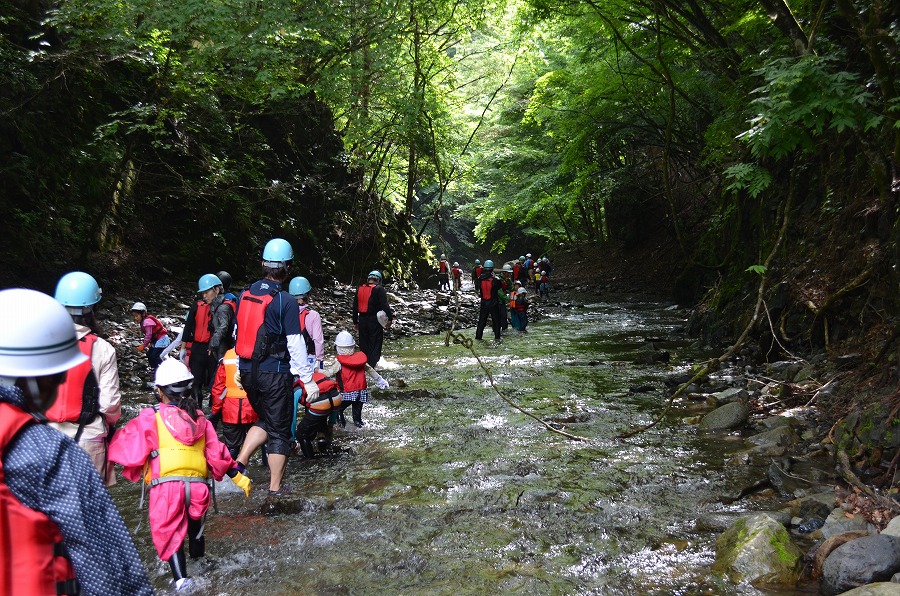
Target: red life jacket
517 268
457 273
362 298
478 271
33 559
158 328
329 396
251 323
353 371
310 344
487 287
202 319
78 397
442 267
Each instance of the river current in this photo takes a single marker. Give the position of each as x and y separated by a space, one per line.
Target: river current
449 490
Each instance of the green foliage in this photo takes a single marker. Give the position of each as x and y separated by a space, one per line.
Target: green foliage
801 99
748 177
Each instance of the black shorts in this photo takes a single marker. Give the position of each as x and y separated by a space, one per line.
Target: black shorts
271 395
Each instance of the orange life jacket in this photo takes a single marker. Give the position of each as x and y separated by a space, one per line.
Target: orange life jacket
202 319
362 298
251 317
78 399
353 371
329 395
237 408
33 559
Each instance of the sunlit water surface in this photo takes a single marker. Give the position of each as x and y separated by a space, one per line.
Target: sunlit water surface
449 490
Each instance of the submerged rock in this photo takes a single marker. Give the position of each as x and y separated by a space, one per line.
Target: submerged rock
757 549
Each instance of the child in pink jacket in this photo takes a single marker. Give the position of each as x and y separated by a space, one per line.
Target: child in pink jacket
174 449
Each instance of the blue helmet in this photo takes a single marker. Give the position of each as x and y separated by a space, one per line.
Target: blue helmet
299 286
77 289
489 264
477 262
278 251
208 281
376 274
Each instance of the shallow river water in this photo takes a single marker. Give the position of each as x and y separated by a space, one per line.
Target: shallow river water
448 490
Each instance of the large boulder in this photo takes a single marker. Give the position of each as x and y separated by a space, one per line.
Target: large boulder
859 562
757 549
876 589
729 416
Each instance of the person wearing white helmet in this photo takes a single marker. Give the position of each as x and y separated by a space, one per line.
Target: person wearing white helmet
444 273
488 288
60 531
155 335
544 285
367 308
173 448
88 404
351 370
519 311
456 274
271 354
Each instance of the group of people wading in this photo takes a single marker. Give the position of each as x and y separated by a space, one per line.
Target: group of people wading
260 355
504 297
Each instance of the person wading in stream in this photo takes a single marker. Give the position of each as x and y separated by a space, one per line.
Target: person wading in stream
60 532
174 449
272 352
370 301
488 288
89 401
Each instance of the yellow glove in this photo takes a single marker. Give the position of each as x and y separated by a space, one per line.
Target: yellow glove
242 482
237 379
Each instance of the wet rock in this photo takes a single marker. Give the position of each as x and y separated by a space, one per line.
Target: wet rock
757 549
641 389
730 395
727 417
782 436
859 562
716 522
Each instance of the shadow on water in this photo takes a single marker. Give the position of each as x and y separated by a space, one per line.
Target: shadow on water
447 490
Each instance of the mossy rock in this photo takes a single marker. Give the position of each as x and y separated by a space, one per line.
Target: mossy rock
759 550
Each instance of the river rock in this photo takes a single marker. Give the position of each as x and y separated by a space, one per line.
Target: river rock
839 521
782 435
859 562
757 549
726 417
893 528
876 589
730 395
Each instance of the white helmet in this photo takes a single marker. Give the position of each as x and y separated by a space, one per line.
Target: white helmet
522 291
37 337
443 257
455 264
139 306
344 340
172 372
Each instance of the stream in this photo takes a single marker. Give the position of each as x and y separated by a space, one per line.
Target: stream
449 490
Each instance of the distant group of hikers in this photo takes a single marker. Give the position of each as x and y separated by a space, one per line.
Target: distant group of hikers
503 297
259 354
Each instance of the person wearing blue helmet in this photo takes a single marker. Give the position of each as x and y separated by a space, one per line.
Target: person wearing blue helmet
488 288
206 334
369 305
271 354
89 401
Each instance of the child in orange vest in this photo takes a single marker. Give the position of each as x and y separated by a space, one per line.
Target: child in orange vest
230 404
350 372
